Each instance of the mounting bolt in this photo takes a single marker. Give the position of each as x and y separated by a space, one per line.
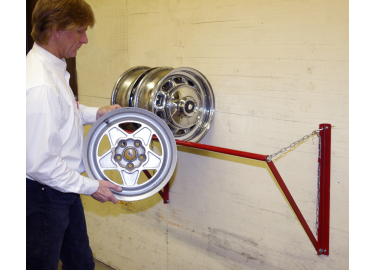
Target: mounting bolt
325 251
326 127
167 201
320 250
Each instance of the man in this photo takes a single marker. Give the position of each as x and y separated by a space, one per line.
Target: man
56 226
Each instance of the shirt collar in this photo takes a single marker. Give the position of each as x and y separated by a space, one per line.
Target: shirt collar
49 57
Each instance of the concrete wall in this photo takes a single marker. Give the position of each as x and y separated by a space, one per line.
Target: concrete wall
278 69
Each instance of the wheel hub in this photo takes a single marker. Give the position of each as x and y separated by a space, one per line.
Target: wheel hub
182 107
129 154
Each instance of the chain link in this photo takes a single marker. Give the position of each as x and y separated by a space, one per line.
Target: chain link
317 201
304 138
318 188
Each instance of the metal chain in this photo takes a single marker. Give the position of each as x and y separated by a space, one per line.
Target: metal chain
318 192
304 138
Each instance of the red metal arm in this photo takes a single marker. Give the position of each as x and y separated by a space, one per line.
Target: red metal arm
222 150
322 244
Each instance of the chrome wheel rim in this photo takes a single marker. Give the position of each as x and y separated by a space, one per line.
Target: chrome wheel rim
130 152
182 97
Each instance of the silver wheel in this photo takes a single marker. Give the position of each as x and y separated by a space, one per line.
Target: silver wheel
130 152
182 97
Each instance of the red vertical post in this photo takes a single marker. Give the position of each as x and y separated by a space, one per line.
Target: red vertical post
324 188
166 193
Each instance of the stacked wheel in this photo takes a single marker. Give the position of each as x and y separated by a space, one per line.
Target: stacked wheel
181 97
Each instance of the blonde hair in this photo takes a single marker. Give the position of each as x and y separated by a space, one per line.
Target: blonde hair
51 15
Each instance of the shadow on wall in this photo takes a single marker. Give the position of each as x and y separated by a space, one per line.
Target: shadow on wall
133 207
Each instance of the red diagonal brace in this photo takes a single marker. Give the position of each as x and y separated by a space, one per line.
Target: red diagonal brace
164 194
293 204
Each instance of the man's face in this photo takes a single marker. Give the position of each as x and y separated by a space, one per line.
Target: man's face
70 41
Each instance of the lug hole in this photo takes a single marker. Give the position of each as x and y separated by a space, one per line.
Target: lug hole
122 143
137 143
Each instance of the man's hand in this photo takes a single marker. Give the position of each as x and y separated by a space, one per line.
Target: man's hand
104 194
103 110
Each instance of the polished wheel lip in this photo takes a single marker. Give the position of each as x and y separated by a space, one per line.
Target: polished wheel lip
159 128
147 89
145 93
116 89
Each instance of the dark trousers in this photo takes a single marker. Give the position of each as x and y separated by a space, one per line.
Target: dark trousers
55 228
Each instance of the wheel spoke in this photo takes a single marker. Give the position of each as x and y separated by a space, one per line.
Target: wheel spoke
160 101
106 161
114 134
173 129
153 161
145 134
130 179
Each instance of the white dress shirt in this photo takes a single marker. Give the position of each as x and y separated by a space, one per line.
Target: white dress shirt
54 125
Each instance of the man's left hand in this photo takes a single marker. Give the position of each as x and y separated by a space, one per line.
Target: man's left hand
103 110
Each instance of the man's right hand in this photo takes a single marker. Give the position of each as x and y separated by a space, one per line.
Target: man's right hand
104 194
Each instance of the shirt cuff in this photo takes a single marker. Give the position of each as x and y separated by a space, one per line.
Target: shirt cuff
90 186
91 114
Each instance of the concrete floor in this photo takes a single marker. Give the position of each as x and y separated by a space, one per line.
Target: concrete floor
98 266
